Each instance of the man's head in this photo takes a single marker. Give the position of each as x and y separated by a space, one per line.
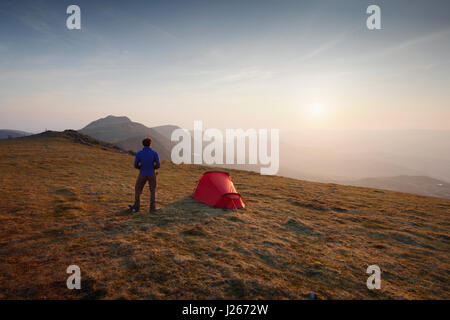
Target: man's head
147 142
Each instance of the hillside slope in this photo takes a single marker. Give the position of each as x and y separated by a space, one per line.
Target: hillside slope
128 134
64 203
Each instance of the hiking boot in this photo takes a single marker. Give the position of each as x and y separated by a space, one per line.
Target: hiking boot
153 210
134 208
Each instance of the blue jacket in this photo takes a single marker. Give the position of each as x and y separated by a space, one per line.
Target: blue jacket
147 161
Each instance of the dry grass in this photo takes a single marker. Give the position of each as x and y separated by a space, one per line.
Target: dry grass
64 203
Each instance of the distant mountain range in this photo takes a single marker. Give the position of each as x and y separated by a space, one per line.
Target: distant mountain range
296 161
128 135
411 184
409 170
340 156
6 133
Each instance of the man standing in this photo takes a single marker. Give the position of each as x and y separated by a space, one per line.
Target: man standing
147 161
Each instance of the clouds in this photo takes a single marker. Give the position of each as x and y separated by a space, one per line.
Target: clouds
38 16
324 47
244 75
423 39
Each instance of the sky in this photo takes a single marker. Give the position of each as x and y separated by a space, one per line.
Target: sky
294 65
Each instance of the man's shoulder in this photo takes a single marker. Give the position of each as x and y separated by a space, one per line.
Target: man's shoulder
148 151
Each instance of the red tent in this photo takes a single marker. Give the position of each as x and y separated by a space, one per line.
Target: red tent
216 189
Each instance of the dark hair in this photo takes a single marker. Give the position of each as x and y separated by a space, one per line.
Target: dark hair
147 142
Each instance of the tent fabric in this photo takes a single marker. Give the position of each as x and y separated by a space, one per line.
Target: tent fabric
216 189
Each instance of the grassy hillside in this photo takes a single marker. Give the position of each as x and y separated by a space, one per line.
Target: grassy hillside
64 203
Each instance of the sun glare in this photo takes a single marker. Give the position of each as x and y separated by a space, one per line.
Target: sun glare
317 109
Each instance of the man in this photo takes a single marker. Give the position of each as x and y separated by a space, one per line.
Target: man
147 161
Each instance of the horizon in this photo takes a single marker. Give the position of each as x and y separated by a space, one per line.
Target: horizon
310 66
325 130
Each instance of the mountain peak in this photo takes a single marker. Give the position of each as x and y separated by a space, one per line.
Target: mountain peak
111 117
109 120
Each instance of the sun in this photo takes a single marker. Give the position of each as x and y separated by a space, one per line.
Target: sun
317 109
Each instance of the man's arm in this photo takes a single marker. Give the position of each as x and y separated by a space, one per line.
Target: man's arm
137 162
156 163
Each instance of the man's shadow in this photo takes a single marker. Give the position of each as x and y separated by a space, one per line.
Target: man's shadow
186 210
